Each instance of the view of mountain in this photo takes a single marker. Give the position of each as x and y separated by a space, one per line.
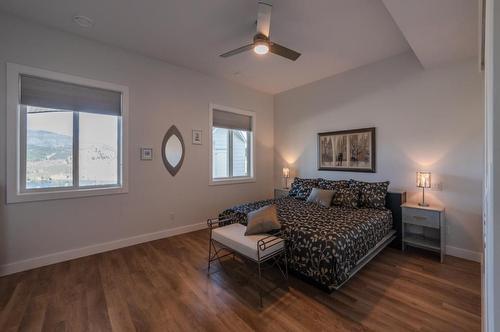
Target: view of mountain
43 145
50 157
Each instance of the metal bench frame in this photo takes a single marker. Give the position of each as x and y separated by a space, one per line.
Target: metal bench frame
215 249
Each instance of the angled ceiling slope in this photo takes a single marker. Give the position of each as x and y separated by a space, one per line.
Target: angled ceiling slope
438 30
332 35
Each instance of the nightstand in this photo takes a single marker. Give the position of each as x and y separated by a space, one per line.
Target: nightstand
281 192
424 227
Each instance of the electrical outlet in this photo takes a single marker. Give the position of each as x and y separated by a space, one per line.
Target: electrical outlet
437 186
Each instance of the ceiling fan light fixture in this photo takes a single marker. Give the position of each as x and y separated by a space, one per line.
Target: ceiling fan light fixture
261 44
261 47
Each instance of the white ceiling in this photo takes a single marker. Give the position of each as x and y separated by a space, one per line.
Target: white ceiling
332 35
438 30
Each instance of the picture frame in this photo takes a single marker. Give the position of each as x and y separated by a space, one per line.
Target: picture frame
146 153
197 137
347 150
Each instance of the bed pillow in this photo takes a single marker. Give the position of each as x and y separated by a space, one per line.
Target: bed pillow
346 197
301 188
321 197
371 194
262 220
332 184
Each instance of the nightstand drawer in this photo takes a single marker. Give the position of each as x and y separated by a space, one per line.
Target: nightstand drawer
421 217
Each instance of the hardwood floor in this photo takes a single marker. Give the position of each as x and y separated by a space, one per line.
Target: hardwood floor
163 286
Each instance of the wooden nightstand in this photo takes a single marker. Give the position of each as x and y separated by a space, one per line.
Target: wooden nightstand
424 227
281 192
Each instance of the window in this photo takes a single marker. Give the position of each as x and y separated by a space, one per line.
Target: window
48 148
69 136
231 145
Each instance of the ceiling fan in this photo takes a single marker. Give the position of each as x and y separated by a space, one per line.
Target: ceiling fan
261 43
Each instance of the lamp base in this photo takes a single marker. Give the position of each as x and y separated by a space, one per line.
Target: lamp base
286 183
423 203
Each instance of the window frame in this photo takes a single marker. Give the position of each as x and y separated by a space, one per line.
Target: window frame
251 148
16 131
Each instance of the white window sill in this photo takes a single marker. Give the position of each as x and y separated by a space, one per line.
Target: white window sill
63 194
227 181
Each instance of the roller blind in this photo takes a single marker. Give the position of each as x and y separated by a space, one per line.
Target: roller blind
229 120
47 93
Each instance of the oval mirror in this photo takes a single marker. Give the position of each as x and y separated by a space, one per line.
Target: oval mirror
172 150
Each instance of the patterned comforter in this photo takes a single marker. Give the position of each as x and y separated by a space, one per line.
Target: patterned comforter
324 244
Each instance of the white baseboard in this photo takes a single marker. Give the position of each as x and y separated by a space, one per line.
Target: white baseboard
66 255
464 253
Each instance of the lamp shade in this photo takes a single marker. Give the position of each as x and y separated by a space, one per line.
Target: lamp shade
424 179
286 172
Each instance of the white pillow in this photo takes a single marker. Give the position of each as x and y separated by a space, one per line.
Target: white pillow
321 196
262 220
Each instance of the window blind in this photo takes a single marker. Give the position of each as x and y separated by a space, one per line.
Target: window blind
47 93
229 120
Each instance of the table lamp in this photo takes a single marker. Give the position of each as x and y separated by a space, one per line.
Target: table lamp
286 175
423 181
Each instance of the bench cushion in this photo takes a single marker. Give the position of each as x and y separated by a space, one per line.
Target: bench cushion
233 237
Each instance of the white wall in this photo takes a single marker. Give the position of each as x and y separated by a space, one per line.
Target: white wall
160 95
425 119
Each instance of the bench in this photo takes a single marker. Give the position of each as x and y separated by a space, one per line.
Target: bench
228 235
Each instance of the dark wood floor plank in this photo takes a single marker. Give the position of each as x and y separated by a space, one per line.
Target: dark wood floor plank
163 286
13 313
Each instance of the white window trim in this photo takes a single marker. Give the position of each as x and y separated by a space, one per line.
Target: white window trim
14 193
234 180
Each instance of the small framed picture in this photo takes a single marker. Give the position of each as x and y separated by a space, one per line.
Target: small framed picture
197 137
146 154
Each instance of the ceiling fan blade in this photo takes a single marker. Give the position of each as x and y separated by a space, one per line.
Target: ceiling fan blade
264 18
237 51
284 52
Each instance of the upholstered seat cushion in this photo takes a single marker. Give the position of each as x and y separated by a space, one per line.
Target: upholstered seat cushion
233 237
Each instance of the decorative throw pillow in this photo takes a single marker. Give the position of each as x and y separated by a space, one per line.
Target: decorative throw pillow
320 196
294 187
356 185
262 220
371 194
332 184
346 197
301 188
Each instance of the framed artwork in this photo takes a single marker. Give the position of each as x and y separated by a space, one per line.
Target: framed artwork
197 137
347 150
146 154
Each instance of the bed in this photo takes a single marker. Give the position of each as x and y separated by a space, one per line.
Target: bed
328 245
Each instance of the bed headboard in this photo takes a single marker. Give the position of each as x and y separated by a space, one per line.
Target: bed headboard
393 202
